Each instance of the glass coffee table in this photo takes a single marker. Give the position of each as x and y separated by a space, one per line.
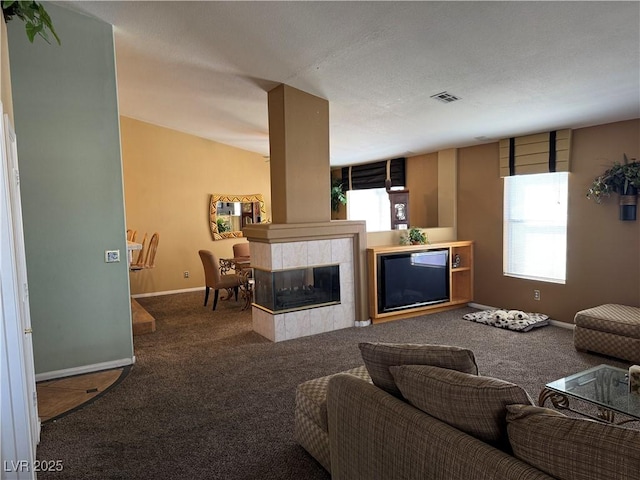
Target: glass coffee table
603 386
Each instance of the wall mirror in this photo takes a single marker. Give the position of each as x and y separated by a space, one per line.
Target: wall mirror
228 214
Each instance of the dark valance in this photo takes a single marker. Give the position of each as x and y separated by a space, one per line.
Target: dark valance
373 175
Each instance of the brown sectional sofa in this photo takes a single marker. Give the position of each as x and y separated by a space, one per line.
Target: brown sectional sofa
440 423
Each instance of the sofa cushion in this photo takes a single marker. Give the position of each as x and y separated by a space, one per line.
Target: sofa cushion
572 448
473 404
378 357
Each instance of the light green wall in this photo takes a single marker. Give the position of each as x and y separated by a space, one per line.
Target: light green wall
66 122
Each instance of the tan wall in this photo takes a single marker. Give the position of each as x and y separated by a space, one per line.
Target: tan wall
422 183
168 177
603 253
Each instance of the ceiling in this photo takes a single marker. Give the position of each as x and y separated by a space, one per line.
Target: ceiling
205 68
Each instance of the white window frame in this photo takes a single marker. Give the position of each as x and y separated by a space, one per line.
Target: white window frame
535 227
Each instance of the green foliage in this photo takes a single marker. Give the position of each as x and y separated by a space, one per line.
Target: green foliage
223 225
338 197
33 14
622 178
415 236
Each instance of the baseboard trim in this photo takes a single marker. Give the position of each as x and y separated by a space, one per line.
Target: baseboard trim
96 367
168 292
479 306
568 326
555 323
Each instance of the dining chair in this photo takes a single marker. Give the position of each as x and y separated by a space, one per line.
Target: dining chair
241 250
131 235
150 261
214 279
142 253
147 255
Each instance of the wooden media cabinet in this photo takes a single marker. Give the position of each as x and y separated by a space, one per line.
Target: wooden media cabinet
460 279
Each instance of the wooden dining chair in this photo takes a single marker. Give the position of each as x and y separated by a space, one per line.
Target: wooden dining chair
131 235
142 253
214 279
147 255
150 260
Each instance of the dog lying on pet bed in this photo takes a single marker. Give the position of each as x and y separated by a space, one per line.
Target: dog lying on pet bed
516 320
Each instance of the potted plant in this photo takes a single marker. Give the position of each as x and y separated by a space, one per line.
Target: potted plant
338 197
33 14
623 179
415 236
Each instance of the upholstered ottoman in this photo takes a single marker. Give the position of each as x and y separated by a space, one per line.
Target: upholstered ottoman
609 329
311 428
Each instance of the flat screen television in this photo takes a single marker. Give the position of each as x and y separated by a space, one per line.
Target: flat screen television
408 280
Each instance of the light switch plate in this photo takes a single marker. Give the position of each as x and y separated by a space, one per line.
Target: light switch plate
111 256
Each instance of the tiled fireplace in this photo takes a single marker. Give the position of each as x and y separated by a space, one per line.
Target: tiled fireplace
294 289
292 254
295 269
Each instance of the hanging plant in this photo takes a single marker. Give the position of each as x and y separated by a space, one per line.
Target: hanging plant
35 17
338 197
622 178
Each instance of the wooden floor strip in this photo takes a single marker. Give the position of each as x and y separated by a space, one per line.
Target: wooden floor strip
59 397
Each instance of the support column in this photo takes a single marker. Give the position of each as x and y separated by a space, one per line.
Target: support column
299 148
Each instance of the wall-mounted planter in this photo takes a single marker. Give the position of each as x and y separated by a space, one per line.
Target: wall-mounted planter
622 178
629 205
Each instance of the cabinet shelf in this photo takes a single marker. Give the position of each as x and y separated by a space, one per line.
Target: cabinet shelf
460 279
460 269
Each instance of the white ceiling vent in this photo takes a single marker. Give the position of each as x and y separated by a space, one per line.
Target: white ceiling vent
445 97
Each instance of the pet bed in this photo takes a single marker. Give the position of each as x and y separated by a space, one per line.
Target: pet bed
496 318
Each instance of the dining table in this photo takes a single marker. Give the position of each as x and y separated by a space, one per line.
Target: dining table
244 271
131 246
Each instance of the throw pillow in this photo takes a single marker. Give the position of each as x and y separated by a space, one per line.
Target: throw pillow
573 448
378 357
473 404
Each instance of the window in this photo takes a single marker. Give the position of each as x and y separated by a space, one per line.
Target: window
535 226
371 205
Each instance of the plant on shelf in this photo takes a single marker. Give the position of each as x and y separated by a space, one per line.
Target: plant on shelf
623 179
33 14
338 197
415 236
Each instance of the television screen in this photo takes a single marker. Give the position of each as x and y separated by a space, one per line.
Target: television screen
409 280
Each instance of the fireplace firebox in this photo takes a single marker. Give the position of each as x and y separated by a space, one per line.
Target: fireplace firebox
297 289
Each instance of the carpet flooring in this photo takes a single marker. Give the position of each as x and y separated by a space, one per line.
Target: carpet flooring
210 399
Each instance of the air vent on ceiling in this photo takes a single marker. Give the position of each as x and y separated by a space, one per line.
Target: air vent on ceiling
445 97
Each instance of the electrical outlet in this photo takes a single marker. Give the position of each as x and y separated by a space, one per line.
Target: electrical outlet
186 274
111 256
536 294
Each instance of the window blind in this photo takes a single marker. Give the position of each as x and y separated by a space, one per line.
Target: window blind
373 175
539 153
535 226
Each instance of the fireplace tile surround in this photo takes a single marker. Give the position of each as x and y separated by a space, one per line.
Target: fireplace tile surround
303 254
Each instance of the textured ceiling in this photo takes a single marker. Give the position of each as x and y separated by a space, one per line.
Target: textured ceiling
519 67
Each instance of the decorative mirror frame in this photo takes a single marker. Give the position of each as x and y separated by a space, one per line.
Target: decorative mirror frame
213 212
